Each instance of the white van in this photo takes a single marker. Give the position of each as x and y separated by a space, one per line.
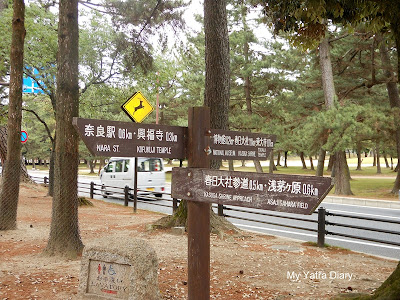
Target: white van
119 172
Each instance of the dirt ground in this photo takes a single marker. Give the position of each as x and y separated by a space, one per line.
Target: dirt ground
250 266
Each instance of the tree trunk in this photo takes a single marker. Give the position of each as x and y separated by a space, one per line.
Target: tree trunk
286 153
92 165
311 163
378 160
374 161
390 288
102 163
11 179
342 175
394 98
217 78
303 162
359 159
386 160
64 238
24 176
327 74
278 159
217 83
230 164
258 166
321 161
51 171
271 163
331 162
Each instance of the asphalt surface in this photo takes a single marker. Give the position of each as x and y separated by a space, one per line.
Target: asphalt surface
390 248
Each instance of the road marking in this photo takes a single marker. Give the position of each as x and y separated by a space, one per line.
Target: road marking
314 235
364 214
362 243
365 206
275 230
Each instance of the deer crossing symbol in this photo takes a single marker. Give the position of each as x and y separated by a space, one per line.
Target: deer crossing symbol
139 106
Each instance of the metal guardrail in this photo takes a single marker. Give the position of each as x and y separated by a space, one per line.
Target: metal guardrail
126 195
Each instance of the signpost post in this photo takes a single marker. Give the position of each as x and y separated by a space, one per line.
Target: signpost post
199 185
198 217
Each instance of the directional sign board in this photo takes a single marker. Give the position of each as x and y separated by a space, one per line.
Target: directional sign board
240 145
284 193
137 107
126 139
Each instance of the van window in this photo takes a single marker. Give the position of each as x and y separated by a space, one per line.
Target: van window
126 165
118 165
110 167
150 165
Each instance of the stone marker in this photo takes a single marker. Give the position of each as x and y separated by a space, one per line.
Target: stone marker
119 268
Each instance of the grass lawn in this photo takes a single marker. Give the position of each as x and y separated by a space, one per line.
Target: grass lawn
372 188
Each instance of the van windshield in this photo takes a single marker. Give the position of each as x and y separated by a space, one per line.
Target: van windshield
150 165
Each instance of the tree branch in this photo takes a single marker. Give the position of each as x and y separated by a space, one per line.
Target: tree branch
41 121
98 80
149 18
331 40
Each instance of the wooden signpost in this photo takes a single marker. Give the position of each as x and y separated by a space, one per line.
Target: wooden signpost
201 186
240 145
284 193
128 139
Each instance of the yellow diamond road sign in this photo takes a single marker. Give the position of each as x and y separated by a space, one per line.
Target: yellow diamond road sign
137 107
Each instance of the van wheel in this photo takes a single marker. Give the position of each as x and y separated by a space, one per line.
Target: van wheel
103 191
158 195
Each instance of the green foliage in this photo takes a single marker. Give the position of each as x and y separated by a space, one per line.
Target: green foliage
285 93
137 21
344 125
39 142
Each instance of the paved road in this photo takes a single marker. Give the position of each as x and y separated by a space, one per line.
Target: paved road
353 244
390 251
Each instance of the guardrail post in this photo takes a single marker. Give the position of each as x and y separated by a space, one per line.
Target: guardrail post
174 205
45 180
321 227
220 210
91 189
126 192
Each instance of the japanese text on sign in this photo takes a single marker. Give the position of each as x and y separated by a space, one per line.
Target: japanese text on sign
287 193
244 183
239 140
111 138
240 145
142 134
